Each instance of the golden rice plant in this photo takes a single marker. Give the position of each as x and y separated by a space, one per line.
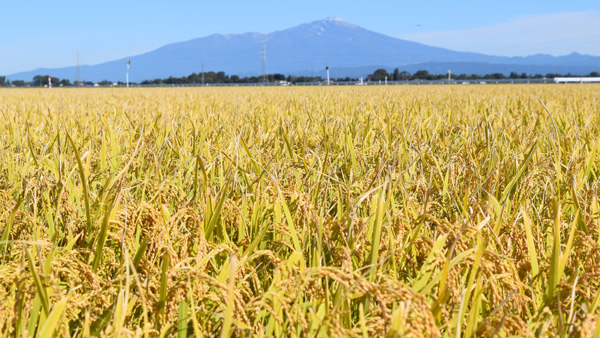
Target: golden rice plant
397 211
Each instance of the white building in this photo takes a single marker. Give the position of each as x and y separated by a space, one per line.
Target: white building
576 79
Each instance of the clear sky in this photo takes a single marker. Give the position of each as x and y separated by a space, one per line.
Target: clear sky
49 33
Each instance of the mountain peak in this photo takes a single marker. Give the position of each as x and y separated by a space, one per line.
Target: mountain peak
324 24
335 21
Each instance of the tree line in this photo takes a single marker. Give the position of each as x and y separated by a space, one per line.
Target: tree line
397 75
222 78
37 81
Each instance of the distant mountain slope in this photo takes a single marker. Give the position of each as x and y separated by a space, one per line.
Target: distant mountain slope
307 47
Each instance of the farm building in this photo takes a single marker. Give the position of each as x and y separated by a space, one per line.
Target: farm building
576 79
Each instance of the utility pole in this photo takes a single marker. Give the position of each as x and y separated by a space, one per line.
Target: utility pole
203 72
264 64
127 75
449 75
327 69
78 72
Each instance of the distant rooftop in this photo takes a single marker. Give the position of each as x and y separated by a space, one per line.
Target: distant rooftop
576 79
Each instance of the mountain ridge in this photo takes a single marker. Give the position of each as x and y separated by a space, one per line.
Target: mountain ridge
331 42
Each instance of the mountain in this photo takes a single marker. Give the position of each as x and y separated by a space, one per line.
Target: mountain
308 48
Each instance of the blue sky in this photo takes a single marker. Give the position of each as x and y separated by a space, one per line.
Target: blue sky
49 33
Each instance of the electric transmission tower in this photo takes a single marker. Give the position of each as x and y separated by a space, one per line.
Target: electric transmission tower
203 72
264 64
78 71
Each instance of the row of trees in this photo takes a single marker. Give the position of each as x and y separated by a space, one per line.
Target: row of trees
38 81
194 78
379 75
382 74
42 80
220 77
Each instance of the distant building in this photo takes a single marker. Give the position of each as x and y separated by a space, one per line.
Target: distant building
576 79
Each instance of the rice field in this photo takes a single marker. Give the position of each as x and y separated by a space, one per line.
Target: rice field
398 211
